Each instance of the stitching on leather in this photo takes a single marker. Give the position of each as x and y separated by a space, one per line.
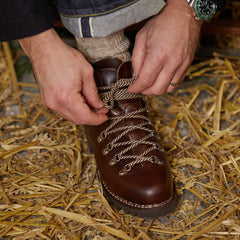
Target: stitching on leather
136 205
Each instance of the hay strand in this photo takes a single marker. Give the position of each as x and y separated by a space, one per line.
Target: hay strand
49 188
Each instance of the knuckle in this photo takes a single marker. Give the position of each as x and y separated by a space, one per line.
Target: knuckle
160 92
63 100
139 35
49 102
161 56
88 70
157 92
144 84
177 61
57 99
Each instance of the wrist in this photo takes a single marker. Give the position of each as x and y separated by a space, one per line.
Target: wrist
33 44
186 10
178 3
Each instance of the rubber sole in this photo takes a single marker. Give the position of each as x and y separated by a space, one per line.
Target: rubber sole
153 212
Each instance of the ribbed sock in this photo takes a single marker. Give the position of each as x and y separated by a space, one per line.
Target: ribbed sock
115 45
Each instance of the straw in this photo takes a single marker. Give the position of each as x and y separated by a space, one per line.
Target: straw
49 186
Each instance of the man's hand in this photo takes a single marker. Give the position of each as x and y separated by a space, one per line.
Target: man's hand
65 79
164 49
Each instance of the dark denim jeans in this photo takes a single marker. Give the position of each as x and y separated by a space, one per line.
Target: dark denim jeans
100 18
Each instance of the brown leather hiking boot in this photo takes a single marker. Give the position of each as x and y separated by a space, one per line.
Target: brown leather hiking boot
134 172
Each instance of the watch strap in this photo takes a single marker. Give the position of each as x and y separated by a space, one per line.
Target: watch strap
220 4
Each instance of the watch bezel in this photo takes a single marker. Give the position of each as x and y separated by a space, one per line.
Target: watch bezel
200 15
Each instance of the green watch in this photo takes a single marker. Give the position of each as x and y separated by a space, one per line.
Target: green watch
204 9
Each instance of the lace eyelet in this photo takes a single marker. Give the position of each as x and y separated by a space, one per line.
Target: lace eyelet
125 170
156 160
108 148
161 149
105 151
154 134
114 160
101 137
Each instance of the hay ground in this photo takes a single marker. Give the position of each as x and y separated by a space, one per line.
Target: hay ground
49 186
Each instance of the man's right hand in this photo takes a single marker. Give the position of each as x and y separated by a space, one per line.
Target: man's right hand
65 79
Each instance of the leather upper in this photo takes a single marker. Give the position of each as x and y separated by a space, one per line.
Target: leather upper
146 183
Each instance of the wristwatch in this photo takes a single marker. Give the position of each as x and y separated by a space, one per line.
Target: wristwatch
204 9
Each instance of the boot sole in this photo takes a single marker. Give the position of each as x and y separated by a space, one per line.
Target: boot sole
153 211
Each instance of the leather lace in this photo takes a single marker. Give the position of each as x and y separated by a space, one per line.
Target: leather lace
118 91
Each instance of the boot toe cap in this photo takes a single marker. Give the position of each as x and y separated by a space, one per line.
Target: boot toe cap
144 186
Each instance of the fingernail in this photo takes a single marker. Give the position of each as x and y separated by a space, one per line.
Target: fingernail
101 104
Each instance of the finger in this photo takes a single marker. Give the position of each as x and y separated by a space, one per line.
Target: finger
89 91
179 76
149 72
139 52
74 109
65 114
102 110
163 79
82 114
171 87
78 112
78 120
162 82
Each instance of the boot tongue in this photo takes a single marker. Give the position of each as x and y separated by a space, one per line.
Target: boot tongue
128 105
107 63
106 71
125 70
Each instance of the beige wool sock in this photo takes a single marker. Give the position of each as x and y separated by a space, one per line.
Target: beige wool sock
97 48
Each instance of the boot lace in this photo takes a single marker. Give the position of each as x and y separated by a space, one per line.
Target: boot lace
118 91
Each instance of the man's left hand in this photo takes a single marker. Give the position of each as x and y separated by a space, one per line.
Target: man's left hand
164 48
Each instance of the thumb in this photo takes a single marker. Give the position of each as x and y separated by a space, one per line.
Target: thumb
90 94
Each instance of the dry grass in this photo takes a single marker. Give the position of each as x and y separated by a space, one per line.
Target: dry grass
49 188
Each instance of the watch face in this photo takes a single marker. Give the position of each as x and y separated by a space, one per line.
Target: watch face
205 9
